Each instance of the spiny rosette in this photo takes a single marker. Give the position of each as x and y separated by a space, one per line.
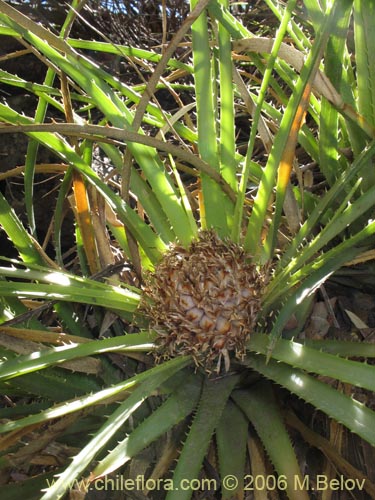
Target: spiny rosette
204 300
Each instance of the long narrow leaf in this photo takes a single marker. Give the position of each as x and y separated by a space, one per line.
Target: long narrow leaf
256 220
259 404
227 125
231 439
309 286
98 397
15 230
213 400
152 379
262 197
180 404
288 261
216 207
42 359
329 123
312 360
148 240
354 415
112 107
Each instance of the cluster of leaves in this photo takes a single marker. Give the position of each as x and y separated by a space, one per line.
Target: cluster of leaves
93 404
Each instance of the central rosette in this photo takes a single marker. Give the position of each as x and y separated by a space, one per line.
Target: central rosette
204 300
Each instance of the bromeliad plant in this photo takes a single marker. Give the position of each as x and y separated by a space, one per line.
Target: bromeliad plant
198 348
